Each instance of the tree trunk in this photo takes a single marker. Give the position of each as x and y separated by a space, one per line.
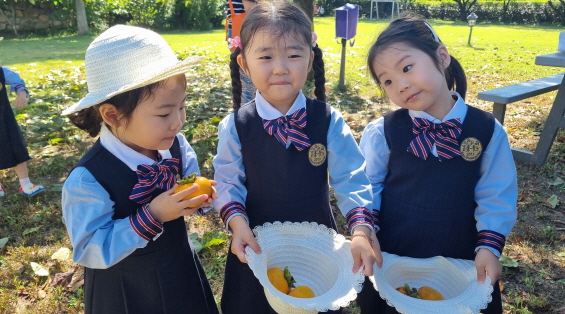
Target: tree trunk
12 22
308 7
82 23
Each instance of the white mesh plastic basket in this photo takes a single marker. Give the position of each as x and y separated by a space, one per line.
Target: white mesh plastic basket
455 279
316 256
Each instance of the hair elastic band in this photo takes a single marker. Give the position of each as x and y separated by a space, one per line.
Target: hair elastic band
234 42
432 30
314 39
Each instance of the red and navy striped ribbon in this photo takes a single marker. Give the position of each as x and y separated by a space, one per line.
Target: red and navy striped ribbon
161 175
444 135
491 239
289 127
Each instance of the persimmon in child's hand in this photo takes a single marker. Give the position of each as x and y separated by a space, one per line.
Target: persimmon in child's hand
169 205
204 187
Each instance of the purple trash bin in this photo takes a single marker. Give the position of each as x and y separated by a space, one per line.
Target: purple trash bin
346 18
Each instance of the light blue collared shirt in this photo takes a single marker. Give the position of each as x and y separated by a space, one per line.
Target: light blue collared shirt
496 192
98 240
14 80
345 161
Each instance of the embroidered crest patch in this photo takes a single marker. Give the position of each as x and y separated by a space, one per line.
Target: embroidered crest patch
471 149
317 154
1 86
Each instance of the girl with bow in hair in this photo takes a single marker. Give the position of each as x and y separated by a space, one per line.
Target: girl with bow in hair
443 177
276 152
124 220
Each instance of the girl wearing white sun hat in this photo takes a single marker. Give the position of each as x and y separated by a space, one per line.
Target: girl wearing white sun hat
124 219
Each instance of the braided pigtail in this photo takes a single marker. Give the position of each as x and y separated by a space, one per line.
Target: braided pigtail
455 76
319 74
236 88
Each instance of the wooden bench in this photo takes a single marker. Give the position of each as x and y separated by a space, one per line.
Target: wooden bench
508 94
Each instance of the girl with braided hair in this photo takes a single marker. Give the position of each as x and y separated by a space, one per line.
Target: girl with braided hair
277 152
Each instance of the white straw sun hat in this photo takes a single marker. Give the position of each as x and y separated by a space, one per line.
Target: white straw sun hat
316 256
455 279
124 58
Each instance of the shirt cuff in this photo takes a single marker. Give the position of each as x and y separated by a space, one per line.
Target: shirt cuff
20 87
358 216
493 251
376 214
230 209
145 225
492 240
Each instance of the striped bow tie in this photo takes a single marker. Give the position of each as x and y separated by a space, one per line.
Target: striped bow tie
289 127
444 135
162 175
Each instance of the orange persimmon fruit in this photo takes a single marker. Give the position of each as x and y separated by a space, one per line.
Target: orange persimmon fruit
204 186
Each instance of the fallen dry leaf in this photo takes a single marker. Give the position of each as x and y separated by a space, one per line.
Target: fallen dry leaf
62 279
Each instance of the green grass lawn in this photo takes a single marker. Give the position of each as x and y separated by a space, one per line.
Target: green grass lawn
501 55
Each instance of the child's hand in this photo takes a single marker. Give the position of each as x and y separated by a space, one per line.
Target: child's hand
363 252
170 205
21 99
242 237
487 264
214 196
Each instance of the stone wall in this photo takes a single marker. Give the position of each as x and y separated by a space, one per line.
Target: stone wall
30 17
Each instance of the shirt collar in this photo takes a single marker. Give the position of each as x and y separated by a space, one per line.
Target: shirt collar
459 110
268 112
124 153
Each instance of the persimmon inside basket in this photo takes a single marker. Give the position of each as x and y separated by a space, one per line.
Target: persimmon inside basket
455 279
316 256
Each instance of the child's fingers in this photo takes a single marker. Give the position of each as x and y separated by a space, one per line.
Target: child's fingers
357 262
253 244
481 274
377 250
368 266
188 211
239 251
184 193
213 182
194 202
494 273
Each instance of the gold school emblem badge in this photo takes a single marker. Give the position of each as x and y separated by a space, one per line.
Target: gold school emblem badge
471 149
317 154
1 86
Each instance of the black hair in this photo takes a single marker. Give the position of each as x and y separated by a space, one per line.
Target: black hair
282 19
90 120
414 31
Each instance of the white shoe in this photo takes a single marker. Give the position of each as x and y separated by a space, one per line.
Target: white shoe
2 194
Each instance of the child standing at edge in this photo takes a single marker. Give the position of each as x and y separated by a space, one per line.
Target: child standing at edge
236 12
12 145
124 219
442 172
275 153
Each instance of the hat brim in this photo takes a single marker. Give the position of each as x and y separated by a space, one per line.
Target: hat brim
92 99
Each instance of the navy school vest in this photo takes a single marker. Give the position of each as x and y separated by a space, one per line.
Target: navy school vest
4 101
283 184
428 206
118 180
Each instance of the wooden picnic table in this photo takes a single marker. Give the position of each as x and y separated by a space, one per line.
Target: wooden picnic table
556 119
